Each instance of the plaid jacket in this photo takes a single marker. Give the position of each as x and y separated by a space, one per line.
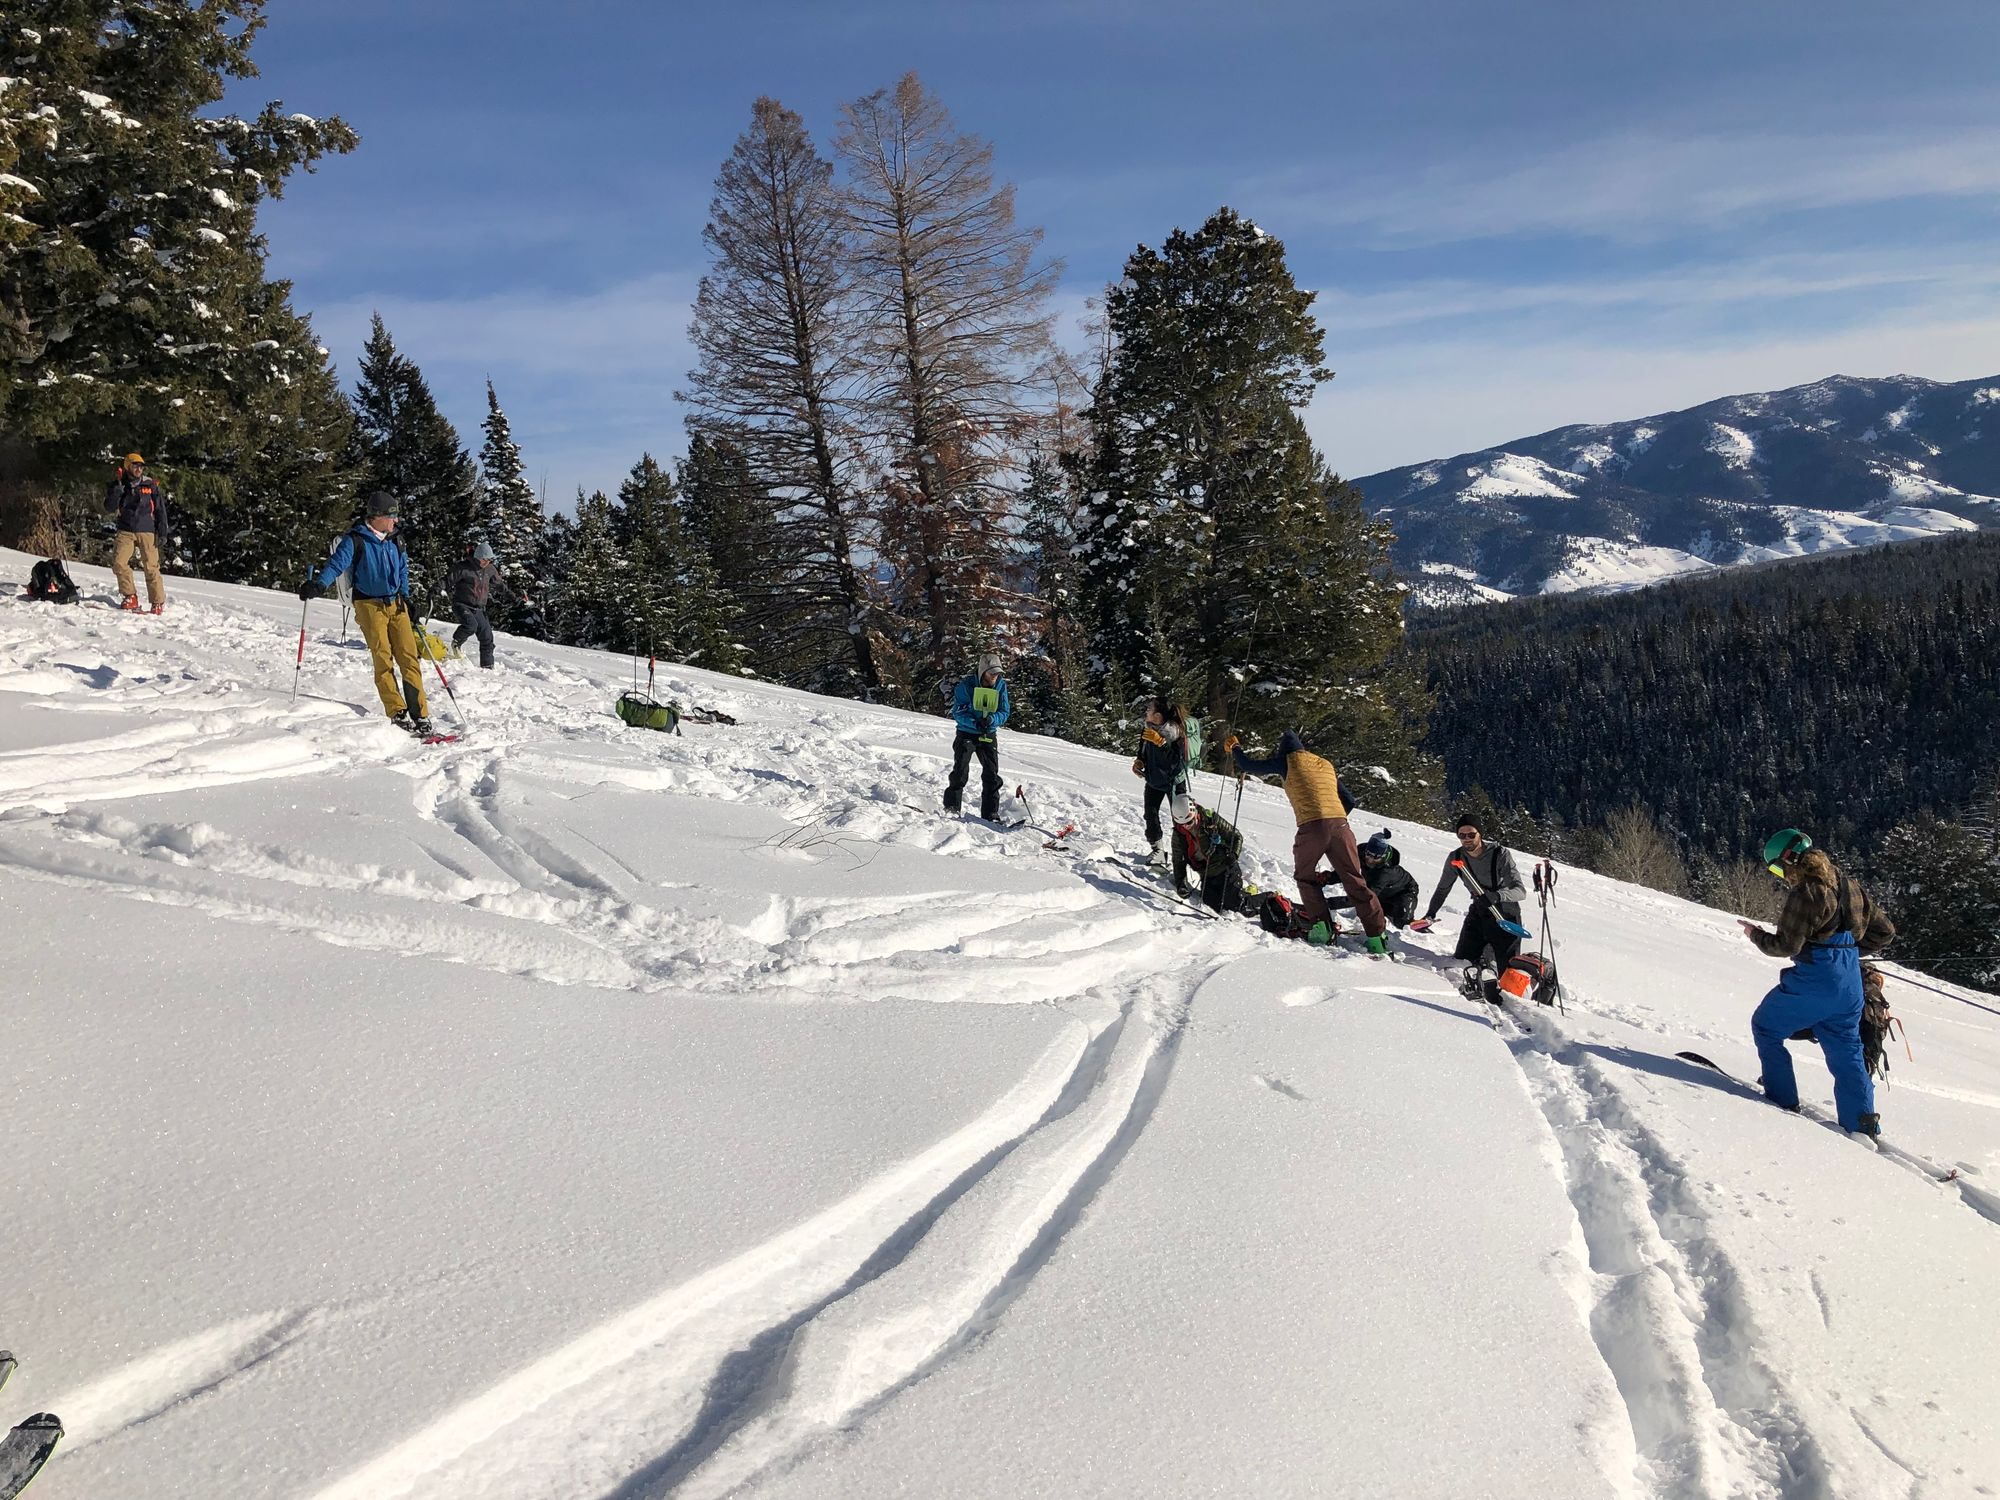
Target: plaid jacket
1821 903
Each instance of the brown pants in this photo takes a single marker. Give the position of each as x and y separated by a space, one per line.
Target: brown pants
149 558
1331 839
392 646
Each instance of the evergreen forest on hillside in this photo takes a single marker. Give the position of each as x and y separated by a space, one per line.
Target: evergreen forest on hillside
1856 695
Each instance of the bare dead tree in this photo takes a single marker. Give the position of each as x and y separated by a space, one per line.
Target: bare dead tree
952 328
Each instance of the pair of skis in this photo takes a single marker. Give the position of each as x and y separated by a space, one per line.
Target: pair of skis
24 1450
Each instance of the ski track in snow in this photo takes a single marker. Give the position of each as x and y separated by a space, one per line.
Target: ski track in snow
1663 1303
717 1379
183 1371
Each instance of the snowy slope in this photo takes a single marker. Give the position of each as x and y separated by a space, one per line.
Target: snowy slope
575 1111
1839 463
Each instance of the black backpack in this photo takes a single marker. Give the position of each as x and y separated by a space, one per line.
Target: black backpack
1876 1022
1278 914
1213 847
1529 976
50 582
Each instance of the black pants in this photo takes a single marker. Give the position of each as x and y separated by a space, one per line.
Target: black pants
472 621
963 748
1482 931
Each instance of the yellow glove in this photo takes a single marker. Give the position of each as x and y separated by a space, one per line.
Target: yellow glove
1153 736
1229 743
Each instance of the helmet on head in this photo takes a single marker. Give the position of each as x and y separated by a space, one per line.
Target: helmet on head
1782 847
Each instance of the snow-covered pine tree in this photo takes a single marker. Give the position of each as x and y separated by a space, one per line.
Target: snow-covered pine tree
773 376
132 288
260 503
590 596
1048 507
509 514
404 445
731 520
1210 517
1939 883
951 315
675 605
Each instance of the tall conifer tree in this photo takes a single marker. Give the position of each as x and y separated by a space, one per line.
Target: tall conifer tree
951 306
1213 530
508 514
773 379
404 445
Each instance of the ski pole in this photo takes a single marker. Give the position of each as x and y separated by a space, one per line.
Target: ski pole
438 667
304 605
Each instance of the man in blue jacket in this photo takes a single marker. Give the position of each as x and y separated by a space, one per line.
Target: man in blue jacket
979 706
381 576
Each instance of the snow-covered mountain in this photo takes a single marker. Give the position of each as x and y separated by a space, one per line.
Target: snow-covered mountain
575 1111
1840 463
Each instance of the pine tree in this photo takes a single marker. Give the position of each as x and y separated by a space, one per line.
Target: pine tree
675 604
508 515
1211 517
404 445
951 298
1939 883
591 593
259 504
775 364
133 302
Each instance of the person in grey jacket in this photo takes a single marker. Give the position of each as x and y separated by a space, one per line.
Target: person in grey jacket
472 583
1499 895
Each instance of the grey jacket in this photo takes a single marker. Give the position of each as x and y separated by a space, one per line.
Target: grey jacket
1492 869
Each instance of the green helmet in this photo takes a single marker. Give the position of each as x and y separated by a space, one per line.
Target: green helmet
1783 845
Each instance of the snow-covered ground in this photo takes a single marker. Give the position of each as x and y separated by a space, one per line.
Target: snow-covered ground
575 1111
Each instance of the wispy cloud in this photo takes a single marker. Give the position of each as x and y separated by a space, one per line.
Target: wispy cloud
1638 185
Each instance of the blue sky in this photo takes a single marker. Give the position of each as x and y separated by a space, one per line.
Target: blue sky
1515 216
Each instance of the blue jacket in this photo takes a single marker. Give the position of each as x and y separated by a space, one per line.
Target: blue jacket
1273 765
962 711
379 567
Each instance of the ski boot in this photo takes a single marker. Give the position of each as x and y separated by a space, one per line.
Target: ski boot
1378 946
1870 1126
131 603
1321 933
423 729
159 609
1156 855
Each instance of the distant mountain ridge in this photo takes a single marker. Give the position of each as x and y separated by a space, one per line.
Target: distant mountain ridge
1842 462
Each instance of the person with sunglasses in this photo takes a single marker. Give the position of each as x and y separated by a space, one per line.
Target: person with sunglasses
1827 924
1498 892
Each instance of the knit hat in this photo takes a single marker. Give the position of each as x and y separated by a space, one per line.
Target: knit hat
482 553
1466 820
1377 847
381 503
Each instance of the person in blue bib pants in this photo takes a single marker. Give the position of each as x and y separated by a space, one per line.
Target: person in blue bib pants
1827 924
979 706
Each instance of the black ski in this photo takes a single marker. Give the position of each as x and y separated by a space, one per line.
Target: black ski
1986 1203
24 1450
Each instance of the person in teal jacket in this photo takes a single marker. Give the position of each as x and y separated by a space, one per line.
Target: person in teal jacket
979 706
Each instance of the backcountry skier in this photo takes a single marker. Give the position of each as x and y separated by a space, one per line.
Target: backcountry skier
979 706
1499 894
382 609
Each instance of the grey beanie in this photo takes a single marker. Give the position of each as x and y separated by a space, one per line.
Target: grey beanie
482 553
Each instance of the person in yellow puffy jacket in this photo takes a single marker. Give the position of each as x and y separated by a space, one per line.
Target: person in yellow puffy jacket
1313 787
